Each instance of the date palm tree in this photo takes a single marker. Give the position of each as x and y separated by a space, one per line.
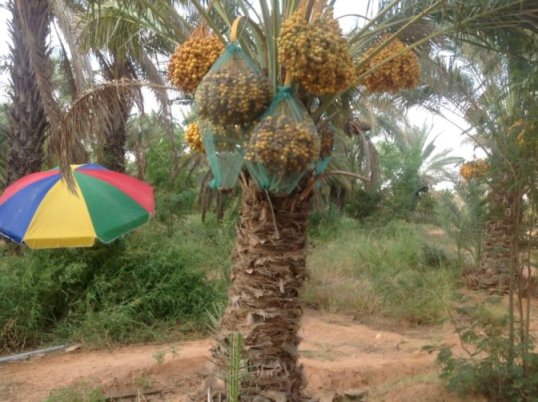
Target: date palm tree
505 121
270 252
34 112
491 81
497 98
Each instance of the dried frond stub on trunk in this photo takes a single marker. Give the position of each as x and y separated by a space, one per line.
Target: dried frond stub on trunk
394 68
193 137
234 92
192 60
316 54
283 146
269 267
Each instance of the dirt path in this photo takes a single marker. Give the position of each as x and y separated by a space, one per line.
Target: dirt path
338 355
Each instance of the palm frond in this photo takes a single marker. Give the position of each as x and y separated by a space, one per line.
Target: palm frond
152 74
366 154
68 22
67 68
86 119
124 27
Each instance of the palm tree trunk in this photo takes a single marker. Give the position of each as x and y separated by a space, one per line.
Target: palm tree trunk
494 269
495 265
26 113
115 135
268 271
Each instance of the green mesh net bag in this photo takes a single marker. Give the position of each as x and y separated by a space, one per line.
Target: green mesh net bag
284 145
228 100
224 150
234 91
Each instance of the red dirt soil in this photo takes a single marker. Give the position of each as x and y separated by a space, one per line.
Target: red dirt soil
337 353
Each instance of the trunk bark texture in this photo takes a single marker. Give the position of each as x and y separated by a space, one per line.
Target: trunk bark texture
115 137
115 133
494 269
27 117
496 263
269 268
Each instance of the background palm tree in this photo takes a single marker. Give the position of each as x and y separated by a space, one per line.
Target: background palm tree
117 33
36 112
498 102
490 80
27 118
411 166
112 154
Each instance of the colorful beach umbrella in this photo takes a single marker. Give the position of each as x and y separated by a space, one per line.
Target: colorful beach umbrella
40 211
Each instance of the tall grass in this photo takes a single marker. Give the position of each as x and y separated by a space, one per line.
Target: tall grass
139 288
392 271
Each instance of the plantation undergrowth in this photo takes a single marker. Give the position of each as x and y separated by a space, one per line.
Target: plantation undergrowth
166 280
150 285
397 270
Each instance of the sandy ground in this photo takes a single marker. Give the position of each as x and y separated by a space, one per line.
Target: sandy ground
337 353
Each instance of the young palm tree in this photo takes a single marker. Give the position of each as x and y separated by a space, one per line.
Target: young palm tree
413 165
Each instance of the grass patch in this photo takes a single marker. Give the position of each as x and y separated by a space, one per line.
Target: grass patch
79 393
391 271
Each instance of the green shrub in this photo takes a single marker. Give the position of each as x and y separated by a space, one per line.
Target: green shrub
135 289
463 216
362 204
434 256
487 371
